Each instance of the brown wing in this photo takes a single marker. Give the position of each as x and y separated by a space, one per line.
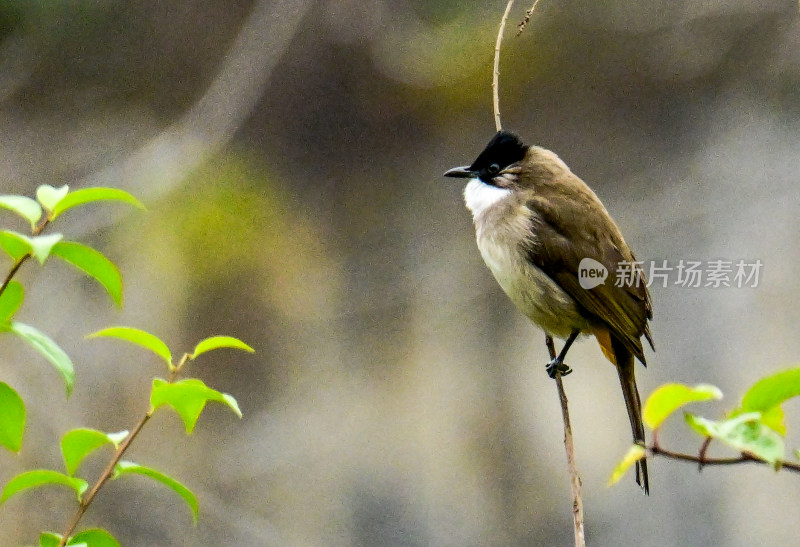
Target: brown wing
566 230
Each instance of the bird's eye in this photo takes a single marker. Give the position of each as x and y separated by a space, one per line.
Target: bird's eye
493 169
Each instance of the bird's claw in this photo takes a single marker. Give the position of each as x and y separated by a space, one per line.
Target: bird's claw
557 367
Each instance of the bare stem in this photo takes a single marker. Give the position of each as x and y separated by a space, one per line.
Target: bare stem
496 76
575 479
108 472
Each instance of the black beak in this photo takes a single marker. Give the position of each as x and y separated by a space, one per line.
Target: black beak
461 172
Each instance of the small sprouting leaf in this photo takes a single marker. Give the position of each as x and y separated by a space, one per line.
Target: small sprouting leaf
11 300
24 207
42 245
117 438
772 391
745 433
18 245
49 349
79 443
125 467
670 397
138 337
216 342
93 263
188 398
14 244
95 537
50 197
42 477
635 453
88 195
12 418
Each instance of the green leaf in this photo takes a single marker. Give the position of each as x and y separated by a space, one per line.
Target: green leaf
773 418
11 300
12 418
24 207
635 453
42 477
670 397
126 467
188 398
79 443
138 337
93 263
772 391
16 245
95 537
745 433
766 396
49 349
88 195
50 197
216 342
49 539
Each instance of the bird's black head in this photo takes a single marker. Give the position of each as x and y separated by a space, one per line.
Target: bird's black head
503 150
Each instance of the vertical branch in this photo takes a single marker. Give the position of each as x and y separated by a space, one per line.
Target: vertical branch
496 76
575 479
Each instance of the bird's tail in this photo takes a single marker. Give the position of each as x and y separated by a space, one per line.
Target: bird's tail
624 362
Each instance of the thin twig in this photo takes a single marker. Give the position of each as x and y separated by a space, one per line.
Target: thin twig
108 472
20 261
575 479
701 453
528 14
496 76
704 461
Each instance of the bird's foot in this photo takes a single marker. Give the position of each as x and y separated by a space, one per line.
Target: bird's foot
556 366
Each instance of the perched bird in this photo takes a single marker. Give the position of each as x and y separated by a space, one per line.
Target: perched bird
559 256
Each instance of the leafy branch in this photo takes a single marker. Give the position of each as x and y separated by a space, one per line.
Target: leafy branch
188 397
755 428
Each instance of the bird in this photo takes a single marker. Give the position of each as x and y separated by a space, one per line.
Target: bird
561 259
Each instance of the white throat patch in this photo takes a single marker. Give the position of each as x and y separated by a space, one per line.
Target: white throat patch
480 196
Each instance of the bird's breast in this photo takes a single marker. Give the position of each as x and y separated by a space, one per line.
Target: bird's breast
500 236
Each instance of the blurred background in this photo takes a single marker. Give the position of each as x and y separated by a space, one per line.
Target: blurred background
290 155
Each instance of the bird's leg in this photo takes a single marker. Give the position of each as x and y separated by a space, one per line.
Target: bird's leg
557 365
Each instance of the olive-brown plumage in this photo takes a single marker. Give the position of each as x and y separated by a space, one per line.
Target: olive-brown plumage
535 221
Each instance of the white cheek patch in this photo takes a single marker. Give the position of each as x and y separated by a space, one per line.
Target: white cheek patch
480 196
